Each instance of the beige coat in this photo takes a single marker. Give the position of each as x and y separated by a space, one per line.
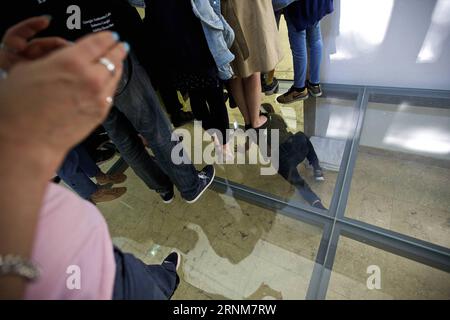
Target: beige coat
257 46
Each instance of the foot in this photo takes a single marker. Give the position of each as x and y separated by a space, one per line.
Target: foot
206 177
181 118
293 95
224 153
314 89
103 155
270 89
115 178
167 197
318 204
318 174
173 258
262 120
105 195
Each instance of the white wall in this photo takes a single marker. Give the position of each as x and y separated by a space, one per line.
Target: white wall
399 43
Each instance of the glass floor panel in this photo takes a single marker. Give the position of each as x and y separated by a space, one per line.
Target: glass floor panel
231 249
402 175
249 237
400 278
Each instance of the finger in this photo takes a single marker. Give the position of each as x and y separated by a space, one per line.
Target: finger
116 55
40 47
16 38
92 47
105 97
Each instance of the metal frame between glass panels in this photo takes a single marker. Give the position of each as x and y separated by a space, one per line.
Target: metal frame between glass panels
333 222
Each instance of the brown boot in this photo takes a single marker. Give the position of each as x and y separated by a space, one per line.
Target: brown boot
105 195
293 95
110 178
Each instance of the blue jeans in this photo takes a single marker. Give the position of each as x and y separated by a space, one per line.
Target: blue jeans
76 169
138 110
298 41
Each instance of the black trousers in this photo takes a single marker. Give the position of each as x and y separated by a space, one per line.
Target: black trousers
170 99
208 106
293 152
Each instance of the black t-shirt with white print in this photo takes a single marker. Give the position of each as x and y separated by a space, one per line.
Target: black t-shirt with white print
72 19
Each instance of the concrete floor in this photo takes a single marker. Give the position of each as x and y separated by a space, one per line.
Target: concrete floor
234 250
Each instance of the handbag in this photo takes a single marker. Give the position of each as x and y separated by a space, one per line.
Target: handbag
281 4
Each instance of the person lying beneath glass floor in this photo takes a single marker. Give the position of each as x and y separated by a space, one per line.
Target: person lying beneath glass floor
293 150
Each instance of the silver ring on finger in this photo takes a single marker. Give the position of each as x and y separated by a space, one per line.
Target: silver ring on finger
109 65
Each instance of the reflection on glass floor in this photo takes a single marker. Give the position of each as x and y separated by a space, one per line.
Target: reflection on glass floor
335 125
231 249
235 249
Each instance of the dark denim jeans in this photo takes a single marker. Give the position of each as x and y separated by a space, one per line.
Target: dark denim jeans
138 110
137 281
76 169
293 152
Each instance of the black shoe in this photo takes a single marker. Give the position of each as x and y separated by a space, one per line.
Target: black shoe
103 155
267 108
314 89
318 204
270 89
173 258
318 173
181 118
56 180
206 177
167 197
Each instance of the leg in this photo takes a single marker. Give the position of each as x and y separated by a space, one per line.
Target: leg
290 173
270 77
73 176
237 90
138 281
142 108
86 163
173 106
292 153
134 153
297 42
170 99
252 91
314 37
218 111
312 155
200 108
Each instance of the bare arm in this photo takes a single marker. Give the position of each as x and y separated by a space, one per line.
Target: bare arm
36 132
